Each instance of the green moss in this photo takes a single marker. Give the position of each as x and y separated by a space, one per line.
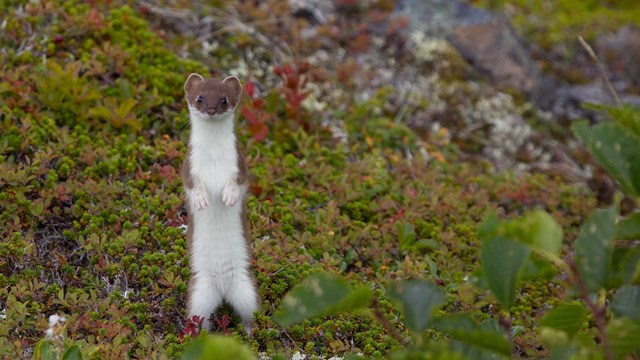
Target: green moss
563 20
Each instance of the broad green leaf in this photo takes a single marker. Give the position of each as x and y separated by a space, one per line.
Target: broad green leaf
537 268
486 336
624 268
625 115
502 260
536 228
44 351
593 248
417 299
489 226
616 149
358 298
72 353
623 334
216 347
626 302
318 295
629 228
566 317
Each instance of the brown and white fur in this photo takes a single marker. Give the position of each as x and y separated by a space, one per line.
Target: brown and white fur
214 175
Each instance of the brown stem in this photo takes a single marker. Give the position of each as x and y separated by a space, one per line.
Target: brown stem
603 70
377 312
598 312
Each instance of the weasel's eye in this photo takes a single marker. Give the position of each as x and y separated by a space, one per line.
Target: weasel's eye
199 99
224 101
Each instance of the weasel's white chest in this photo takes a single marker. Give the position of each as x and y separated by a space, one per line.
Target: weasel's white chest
215 166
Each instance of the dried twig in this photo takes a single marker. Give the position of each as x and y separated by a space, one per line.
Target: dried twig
601 68
284 267
377 312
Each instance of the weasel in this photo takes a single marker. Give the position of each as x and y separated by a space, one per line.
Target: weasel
215 183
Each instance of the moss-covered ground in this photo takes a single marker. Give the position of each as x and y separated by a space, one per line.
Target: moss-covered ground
92 134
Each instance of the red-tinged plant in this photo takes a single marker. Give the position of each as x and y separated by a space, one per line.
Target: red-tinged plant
255 114
222 323
293 80
192 328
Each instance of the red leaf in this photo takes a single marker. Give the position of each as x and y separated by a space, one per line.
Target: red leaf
249 87
223 322
248 114
258 103
288 70
256 190
192 327
259 131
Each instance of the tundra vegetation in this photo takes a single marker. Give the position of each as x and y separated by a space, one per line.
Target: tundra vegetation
371 240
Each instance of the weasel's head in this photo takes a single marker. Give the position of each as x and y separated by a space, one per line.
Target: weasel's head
212 98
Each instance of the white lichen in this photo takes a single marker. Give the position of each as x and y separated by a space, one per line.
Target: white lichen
56 327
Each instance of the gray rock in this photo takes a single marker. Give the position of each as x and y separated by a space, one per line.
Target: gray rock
485 40
621 52
315 11
492 47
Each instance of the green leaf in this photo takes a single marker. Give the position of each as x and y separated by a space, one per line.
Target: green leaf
502 260
625 115
565 317
626 302
537 268
629 228
426 244
358 298
406 235
616 149
44 351
216 347
486 336
593 248
417 299
536 228
623 334
318 295
624 269
72 353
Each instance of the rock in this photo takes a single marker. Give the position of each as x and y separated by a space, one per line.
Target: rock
315 11
621 53
494 50
438 17
486 41
492 47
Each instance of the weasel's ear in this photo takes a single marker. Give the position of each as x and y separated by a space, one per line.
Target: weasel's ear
192 80
233 84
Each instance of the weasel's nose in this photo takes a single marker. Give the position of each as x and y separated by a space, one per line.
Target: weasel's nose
211 111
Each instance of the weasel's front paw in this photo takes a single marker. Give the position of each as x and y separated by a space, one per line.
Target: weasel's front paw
230 194
201 200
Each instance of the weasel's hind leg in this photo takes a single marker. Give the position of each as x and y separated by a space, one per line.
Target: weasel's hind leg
242 296
204 298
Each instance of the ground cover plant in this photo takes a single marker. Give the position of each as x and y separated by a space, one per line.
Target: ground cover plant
394 234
